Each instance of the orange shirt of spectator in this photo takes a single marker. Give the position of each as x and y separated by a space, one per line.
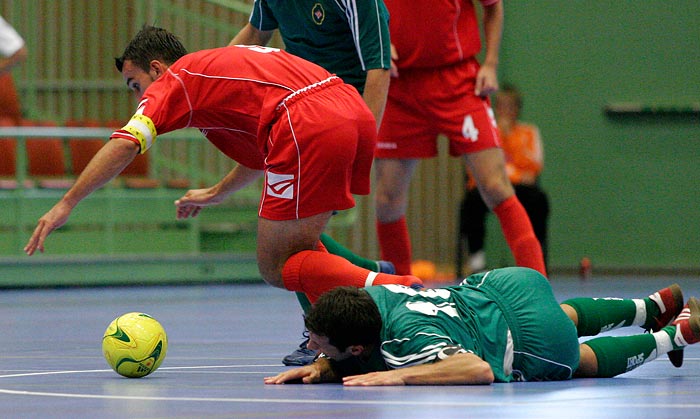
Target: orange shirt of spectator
521 142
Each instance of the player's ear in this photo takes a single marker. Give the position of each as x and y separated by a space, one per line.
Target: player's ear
356 350
157 68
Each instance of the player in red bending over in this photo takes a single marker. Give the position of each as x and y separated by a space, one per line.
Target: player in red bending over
277 115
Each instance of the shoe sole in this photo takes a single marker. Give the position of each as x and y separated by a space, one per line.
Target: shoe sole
676 357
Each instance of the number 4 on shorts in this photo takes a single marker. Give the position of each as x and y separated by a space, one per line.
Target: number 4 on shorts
469 130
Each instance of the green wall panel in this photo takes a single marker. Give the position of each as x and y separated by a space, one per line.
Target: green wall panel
623 189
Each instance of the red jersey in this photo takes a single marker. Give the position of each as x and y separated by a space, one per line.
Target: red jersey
231 94
434 33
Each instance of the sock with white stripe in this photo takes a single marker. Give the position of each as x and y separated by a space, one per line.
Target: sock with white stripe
596 315
620 354
315 272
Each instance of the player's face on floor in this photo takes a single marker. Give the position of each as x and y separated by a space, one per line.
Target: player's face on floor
320 343
136 79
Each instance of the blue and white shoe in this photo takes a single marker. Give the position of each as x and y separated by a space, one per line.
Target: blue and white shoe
386 267
301 356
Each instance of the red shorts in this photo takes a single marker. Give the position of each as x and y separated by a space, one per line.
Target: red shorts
424 103
319 153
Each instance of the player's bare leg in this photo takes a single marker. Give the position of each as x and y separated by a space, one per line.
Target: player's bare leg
278 240
391 200
488 168
288 258
393 180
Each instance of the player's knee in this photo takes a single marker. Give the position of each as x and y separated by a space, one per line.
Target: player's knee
494 192
390 207
270 274
588 363
388 196
570 312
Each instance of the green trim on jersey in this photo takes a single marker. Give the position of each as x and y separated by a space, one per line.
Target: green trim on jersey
346 37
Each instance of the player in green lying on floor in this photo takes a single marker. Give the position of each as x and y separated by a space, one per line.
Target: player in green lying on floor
500 326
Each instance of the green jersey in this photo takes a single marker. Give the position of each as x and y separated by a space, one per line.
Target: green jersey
507 317
346 37
423 326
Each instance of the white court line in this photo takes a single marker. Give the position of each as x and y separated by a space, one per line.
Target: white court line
29 374
499 403
575 403
241 400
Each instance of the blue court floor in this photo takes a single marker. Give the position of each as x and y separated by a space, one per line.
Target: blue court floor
224 339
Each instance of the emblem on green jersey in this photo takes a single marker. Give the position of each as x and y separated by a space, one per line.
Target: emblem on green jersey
318 14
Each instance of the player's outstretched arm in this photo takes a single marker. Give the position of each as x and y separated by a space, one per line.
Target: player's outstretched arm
194 200
462 368
107 163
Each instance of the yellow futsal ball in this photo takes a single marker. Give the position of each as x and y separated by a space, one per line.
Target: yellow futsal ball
134 345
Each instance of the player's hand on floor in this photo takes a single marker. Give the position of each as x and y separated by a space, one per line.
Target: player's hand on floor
194 200
306 375
381 378
55 218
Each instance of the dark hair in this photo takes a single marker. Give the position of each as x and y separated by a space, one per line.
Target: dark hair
150 44
346 316
514 92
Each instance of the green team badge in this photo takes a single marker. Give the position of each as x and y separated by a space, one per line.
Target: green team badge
318 14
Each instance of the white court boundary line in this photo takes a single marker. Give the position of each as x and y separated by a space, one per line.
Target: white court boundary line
546 403
29 374
583 403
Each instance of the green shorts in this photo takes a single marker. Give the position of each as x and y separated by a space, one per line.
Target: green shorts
545 342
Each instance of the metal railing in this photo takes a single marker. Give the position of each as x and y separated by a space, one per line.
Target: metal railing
70 73
193 168
25 203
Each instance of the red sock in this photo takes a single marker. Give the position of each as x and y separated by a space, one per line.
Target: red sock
519 234
314 273
395 244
